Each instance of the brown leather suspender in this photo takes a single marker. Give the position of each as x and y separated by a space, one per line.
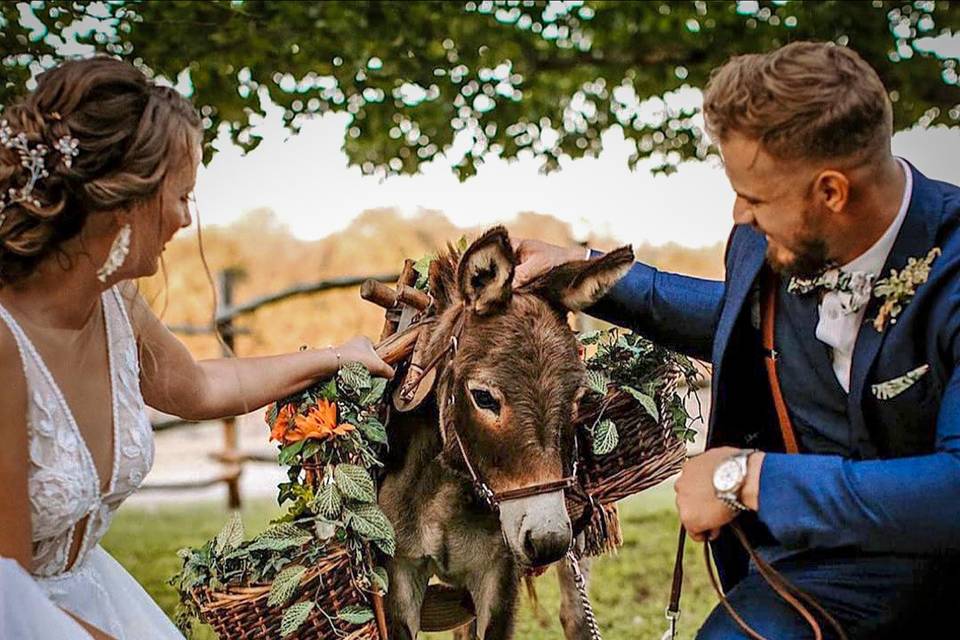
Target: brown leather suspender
768 324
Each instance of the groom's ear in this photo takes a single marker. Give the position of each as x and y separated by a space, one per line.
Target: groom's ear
577 285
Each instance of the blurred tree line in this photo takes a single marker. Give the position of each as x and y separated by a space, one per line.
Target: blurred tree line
501 78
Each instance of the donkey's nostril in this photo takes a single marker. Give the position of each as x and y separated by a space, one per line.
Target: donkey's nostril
529 548
546 547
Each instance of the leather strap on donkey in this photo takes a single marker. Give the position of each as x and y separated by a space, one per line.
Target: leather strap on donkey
799 601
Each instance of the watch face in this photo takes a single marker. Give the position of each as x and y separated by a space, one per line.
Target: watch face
727 476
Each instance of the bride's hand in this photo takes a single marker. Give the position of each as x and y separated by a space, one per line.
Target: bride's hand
360 349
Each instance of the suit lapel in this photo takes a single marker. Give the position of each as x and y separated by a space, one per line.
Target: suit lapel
743 272
917 236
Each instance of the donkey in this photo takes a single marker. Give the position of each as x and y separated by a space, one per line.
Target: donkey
500 421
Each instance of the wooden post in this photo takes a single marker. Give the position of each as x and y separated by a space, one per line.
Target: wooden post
227 279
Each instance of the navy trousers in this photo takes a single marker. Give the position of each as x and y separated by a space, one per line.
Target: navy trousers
870 596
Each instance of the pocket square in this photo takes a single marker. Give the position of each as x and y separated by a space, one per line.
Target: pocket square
894 387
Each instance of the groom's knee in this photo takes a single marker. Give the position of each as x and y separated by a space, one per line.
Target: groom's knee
761 609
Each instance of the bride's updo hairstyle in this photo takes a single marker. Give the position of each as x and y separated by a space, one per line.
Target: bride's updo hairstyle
105 137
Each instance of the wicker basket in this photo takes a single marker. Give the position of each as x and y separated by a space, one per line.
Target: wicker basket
242 613
648 452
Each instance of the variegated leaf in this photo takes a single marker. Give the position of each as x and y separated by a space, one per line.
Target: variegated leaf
231 535
597 382
355 614
646 401
354 482
605 438
285 585
295 616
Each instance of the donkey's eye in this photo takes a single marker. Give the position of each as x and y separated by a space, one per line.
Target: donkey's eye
485 400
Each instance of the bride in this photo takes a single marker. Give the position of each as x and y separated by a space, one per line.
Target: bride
97 167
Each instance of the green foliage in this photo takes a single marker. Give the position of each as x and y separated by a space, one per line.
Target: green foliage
354 482
285 585
633 364
231 535
330 498
605 438
295 616
355 614
511 77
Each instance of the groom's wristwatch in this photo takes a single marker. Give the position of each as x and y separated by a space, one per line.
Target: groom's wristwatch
729 477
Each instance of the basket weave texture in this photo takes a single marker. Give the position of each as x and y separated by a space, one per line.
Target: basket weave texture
242 613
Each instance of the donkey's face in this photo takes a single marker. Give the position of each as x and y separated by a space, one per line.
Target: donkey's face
511 388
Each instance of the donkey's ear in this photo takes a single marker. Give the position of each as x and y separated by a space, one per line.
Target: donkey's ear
485 272
578 285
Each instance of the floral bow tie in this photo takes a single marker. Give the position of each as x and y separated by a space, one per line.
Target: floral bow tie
854 287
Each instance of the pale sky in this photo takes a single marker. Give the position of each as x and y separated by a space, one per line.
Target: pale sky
306 181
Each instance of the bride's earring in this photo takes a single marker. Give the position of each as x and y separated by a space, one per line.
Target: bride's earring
118 253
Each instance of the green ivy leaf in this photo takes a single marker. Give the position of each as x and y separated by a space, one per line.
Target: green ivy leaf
373 430
422 267
597 382
646 401
590 338
328 501
310 449
289 453
355 614
295 616
354 482
231 535
605 438
285 585
329 390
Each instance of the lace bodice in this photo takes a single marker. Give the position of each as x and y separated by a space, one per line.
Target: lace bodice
63 483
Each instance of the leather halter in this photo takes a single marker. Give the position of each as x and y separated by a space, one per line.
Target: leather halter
480 486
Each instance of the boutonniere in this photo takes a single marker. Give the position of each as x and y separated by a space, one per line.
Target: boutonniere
898 290
896 386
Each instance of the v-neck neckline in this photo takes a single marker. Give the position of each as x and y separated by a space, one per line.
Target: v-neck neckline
101 491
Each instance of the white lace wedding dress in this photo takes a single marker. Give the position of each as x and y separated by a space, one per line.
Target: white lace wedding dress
64 489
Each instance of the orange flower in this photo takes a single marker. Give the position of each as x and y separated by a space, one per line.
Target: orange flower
319 423
282 423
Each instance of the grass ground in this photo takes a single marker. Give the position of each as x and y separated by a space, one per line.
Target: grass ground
628 591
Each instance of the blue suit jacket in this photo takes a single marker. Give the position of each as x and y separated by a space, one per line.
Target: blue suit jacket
908 501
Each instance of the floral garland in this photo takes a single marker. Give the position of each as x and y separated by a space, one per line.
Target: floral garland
331 439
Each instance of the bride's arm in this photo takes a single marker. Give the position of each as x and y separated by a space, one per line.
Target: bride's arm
16 532
173 382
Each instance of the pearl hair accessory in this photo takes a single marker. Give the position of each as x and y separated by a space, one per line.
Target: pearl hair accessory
33 161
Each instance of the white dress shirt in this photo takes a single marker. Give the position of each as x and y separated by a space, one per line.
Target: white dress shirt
839 329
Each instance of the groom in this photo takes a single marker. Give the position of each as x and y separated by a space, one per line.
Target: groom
866 518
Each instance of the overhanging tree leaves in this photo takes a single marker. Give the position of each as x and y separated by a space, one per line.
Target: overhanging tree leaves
511 77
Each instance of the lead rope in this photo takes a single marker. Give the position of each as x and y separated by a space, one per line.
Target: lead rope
584 596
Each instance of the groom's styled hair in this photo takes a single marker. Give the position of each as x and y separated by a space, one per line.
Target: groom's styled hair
807 100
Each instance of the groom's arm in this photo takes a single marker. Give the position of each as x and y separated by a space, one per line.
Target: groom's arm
678 312
904 504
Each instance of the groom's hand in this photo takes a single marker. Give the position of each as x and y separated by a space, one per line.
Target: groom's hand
702 513
534 258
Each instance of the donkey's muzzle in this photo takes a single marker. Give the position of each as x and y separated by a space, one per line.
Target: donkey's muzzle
537 528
